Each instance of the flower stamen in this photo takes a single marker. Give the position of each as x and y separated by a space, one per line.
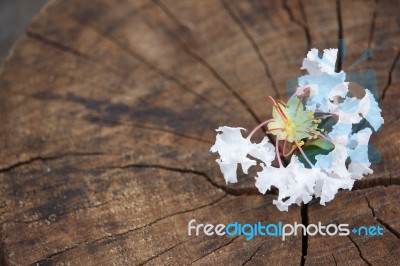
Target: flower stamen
278 108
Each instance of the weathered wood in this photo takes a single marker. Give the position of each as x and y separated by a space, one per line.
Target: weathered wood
368 207
108 111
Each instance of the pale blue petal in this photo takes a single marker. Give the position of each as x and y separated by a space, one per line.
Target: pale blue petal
349 105
324 161
374 116
326 83
340 129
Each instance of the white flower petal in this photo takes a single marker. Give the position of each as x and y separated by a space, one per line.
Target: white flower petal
316 65
263 151
350 111
234 149
228 170
360 164
327 187
246 164
334 164
294 182
358 170
370 110
270 176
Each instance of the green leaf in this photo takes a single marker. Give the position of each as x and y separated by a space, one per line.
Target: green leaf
311 152
323 144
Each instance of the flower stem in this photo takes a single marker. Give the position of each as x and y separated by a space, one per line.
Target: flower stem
258 127
304 155
278 155
284 150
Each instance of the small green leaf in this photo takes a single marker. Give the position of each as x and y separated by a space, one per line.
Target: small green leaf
323 144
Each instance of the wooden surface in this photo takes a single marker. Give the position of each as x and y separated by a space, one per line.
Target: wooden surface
108 110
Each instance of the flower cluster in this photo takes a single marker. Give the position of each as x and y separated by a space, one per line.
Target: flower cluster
322 132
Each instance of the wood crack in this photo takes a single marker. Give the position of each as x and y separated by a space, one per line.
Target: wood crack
114 236
334 259
69 50
357 247
205 64
147 127
43 261
389 80
304 237
359 251
372 27
254 254
394 120
3 255
60 214
116 199
375 182
339 63
303 25
170 14
41 158
370 207
213 71
228 190
163 252
126 50
253 44
386 225
143 60
224 245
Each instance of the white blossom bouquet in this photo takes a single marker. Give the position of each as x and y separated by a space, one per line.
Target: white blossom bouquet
317 131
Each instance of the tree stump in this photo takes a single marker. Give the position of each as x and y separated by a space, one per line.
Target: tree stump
108 112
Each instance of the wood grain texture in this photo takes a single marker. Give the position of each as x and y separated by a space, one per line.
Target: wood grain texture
108 111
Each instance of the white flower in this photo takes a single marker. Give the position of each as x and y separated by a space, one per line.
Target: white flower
324 89
297 184
294 182
234 149
333 162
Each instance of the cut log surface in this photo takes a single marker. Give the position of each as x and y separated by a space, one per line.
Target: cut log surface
109 108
